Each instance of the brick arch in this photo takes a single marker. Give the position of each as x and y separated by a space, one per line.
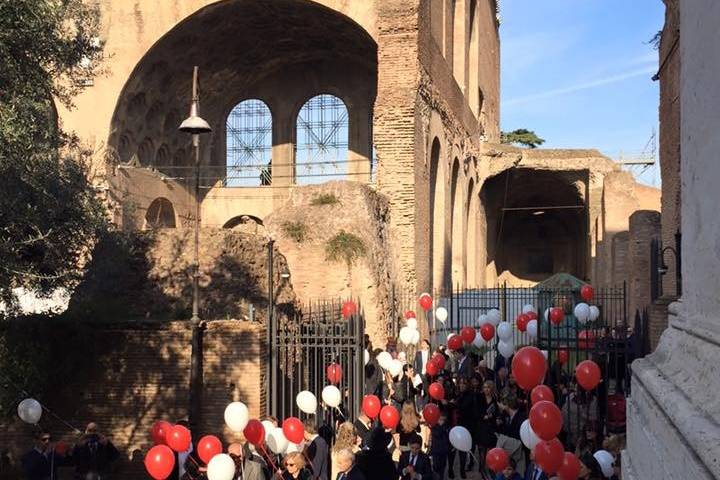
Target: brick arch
438 207
160 214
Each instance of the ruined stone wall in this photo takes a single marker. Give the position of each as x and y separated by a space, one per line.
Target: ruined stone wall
644 227
142 376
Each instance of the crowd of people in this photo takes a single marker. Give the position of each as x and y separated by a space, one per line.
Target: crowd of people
485 401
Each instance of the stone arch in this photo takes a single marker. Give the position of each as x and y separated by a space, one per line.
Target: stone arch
246 223
248 144
160 214
162 157
536 225
438 237
146 152
471 236
322 129
281 50
457 205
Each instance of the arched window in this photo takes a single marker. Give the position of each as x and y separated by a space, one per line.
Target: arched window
160 214
249 144
321 148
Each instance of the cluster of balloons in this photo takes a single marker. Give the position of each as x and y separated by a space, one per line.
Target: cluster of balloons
170 439
29 411
409 334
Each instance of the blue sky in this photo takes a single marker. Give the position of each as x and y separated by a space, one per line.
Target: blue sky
578 72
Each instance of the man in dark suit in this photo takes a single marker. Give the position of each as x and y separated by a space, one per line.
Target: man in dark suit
316 452
513 418
465 367
533 472
414 464
346 466
41 462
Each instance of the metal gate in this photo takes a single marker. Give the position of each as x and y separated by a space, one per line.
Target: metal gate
302 346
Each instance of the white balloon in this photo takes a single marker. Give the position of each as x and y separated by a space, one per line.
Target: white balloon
450 335
384 359
479 340
494 317
411 323
331 396
395 368
504 331
460 439
546 315
528 436
306 401
582 312
406 335
236 416
441 314
269 427
276 440
415 338
402 357
367 357
506 349
527 308
605 460
221 467
532 329
293 447
482 320
30 411
594 313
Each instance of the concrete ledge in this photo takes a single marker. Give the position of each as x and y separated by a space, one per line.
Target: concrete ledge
670 436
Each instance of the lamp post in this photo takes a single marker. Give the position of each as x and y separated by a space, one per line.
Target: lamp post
195 126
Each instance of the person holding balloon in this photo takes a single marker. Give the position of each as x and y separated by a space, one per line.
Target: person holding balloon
414 464
440 445
376 462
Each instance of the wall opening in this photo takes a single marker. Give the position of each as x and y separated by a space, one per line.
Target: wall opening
160 214
248 140
438 225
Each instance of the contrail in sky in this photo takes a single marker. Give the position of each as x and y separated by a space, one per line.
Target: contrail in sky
581 86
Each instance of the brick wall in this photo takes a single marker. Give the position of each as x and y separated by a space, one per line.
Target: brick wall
144 377
644 227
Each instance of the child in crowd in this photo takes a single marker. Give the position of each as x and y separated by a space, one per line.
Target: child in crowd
509 472
440 445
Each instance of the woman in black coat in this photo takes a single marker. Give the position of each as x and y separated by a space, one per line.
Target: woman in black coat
376 462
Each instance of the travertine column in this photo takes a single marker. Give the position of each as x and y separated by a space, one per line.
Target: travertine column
674 412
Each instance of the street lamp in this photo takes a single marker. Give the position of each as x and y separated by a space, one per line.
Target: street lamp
195 126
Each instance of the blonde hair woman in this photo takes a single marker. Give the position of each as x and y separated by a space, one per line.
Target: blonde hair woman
295 467
345 439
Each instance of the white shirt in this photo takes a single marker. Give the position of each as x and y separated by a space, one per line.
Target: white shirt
424 358
182 457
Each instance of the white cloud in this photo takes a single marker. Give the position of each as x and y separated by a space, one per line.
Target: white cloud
581 86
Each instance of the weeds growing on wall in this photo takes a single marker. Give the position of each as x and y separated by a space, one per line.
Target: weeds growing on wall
324 199
345 246
295 230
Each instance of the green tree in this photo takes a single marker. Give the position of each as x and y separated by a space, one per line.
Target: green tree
49 212
522 136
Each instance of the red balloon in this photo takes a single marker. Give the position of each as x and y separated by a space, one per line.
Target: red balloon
436 391
432 367
541 393
531 315
588 374
293 429
556 315
587 292
349 309
389 416
549 456
159 462
410 314
522 321
439 359
61 448
334 373
546 420
467 334
563 356
529 367
570 468
431 414
371 406
159 432
426 301
254 432
497 459
208 447
455 342
586 339
178 438
487 331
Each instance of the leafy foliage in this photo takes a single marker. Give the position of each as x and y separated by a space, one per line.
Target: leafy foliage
49 213
295 230
324 199
522 136
345 246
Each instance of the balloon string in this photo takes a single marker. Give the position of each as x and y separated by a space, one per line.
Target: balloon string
269 458
76 431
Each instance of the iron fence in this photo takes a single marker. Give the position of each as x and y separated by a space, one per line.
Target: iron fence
302 345
610 340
